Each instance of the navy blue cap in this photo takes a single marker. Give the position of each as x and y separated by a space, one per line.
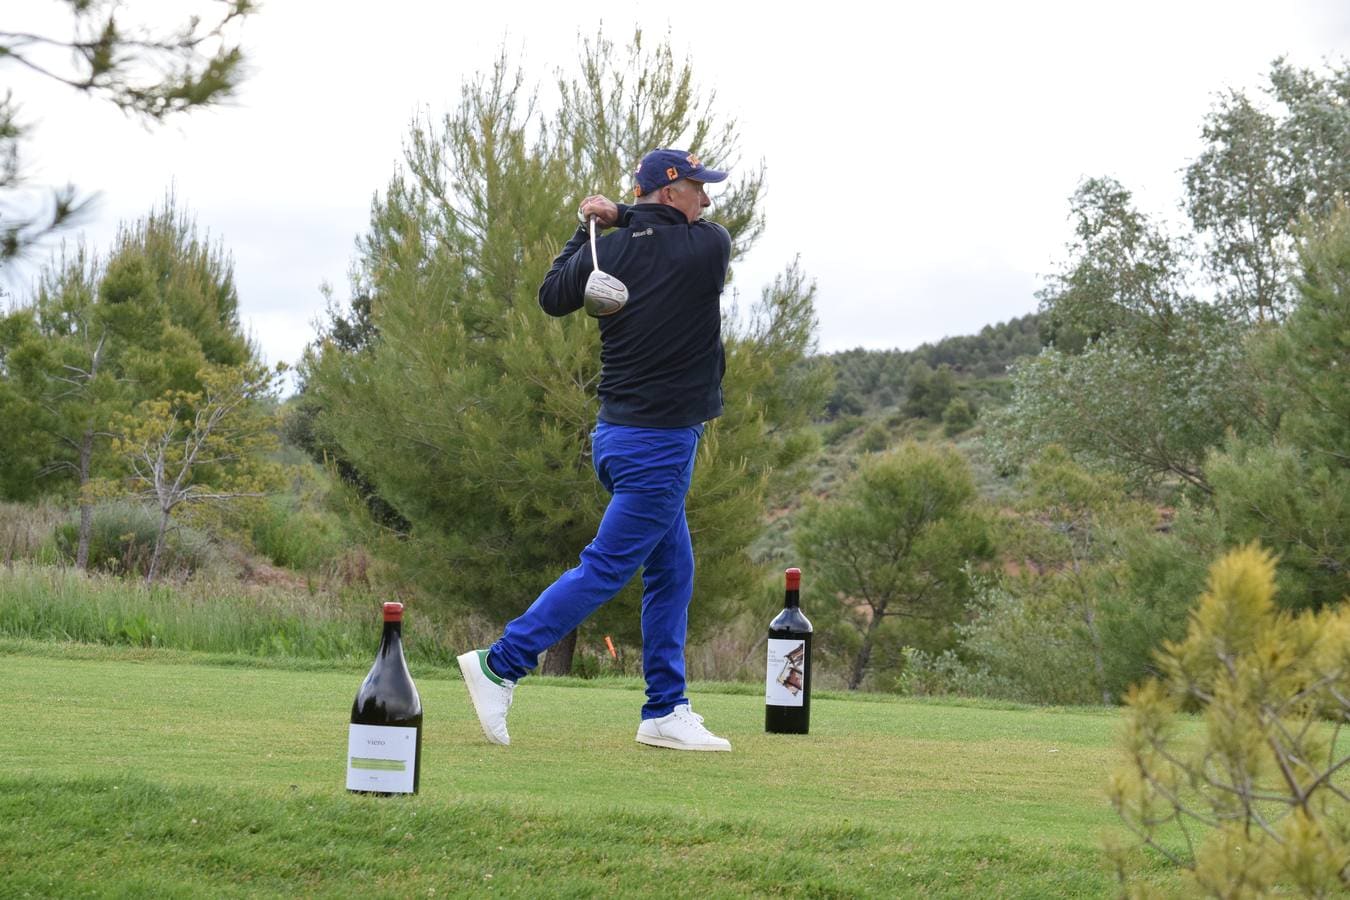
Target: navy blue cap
662 167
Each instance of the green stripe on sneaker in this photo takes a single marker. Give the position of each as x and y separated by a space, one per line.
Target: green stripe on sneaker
383 765
482 661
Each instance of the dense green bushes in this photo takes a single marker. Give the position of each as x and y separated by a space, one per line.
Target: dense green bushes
297 536
122 540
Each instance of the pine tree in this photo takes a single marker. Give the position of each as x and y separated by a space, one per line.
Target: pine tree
100 337
1290 489
470 409
897 545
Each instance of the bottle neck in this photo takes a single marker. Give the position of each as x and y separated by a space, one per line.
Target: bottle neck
792 600
392 639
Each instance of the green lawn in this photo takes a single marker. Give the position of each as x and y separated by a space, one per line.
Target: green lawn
146 773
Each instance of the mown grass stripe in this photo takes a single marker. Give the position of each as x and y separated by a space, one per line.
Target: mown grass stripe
134 837
887 797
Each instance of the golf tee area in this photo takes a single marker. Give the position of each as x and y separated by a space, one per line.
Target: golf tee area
161 773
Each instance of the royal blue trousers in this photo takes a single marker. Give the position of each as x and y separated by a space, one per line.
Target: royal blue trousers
647 472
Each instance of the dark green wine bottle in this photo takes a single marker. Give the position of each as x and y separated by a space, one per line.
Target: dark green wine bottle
787 680
384 741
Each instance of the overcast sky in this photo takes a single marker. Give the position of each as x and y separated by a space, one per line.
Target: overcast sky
919 160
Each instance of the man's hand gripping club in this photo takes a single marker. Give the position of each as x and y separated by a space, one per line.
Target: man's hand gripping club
604 295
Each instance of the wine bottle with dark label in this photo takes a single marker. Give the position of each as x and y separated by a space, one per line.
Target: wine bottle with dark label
384 741
787 681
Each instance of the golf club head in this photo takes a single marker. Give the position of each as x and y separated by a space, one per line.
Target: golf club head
605 295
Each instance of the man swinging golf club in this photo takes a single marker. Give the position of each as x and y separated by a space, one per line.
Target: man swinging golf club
654 284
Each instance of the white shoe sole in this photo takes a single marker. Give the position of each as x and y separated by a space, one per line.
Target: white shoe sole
469 669
676 745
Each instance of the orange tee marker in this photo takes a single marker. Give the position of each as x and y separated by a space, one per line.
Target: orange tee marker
610 645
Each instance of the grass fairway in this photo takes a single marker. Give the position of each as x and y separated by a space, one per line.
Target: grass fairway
150 775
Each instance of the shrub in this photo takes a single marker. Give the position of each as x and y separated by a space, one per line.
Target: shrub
929 391
945 674
957 417
1032 642
874 439
1256 804
122 541
841 428
295 537
1040 639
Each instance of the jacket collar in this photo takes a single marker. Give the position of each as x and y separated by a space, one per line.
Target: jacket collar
657 213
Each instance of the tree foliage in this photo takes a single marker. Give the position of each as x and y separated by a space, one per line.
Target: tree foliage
68 367
1124 278
928 391
1161 378
1291 489
1266 164
469 410
205 447
1147 417
101 336
1064 632
1310 355
147 74
897 545
21 417
1071 524
1258 803
1144 379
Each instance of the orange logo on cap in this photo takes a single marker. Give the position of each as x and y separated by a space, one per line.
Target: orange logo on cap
672 173
693 160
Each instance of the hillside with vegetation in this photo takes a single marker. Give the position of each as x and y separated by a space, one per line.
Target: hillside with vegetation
924 380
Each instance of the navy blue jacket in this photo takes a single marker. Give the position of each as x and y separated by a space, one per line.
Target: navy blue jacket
661 355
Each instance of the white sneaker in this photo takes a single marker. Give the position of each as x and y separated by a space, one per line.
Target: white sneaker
681 730
490 694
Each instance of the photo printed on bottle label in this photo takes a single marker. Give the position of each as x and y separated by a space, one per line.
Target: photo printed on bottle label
784 681
381 758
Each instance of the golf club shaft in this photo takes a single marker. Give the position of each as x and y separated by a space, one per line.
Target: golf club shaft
595 260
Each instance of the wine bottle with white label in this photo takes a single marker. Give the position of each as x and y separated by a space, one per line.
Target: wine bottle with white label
384 741
787 681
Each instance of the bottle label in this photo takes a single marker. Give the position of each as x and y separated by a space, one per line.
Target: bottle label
381 758
785 679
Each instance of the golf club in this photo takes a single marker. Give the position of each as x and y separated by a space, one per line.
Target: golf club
605 295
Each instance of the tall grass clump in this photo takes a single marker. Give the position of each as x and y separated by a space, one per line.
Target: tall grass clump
58 604
122 541
26 531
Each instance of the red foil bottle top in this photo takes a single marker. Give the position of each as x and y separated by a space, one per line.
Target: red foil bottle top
794 578
393 612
